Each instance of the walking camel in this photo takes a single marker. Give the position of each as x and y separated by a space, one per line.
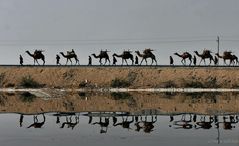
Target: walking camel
37 55
37 124
226 56
103 54
206 54
68 56
125 55
184 56
147 53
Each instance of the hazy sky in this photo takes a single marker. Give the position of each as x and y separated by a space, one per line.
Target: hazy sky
91 25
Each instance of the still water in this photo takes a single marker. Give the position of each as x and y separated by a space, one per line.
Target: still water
127 119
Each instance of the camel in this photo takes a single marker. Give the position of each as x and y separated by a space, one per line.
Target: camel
125 55
104 125
103 54
69 122
226 56
184 56
37 124
37 55
205 55
147 53
68 56
235 60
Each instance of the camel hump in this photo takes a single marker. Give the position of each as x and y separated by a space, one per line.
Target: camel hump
206 52
227 53
148 51
38 52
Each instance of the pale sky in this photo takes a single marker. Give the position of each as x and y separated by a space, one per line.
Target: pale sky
88 26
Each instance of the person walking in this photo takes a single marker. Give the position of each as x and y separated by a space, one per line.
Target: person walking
90 61
21 60
58 60
136 60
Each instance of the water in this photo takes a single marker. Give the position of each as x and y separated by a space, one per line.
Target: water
119 119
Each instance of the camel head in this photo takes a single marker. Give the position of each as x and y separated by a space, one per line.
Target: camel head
175 53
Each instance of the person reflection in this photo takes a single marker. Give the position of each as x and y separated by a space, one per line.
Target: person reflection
21 119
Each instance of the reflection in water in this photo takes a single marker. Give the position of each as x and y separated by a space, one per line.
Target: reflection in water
141 118
117 122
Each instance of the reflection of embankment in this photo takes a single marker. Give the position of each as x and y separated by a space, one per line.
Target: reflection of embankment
206 103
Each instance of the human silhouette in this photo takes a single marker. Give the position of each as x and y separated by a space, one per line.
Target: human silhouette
58 60
194 60
216 60
21 119
90 61
114 60
171 60
21 60
136 60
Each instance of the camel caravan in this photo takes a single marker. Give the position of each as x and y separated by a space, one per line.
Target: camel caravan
146 54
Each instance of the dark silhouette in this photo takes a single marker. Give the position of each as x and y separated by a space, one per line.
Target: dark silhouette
184 56
147 126
37 55
125 123
216 62
21 119
194 60
125 55
58 60
184 123
227 55
136 60
114 60
37 124
205 124
69 122
104 125
103 54
147 53
69 56
21 60
90 61
205 55
171 60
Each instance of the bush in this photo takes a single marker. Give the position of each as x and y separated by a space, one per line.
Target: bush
119 83
27 97
120 95
29 82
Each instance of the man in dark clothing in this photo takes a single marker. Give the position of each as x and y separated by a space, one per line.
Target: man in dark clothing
136 60
21 60
114 60
90 61
58 60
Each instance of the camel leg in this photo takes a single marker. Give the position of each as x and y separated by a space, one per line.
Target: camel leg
108 60
37 62
122 61
70 61
100 61
205 62
43 61
141 61
146 61
126 61
190 62
156 61
105 61
183 61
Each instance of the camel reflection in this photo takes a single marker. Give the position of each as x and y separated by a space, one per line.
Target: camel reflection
146 125
183 123
69 122
37 124
104 125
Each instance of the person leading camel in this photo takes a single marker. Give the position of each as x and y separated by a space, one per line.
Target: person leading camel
21 60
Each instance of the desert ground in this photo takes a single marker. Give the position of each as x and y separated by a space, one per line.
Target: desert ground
135 77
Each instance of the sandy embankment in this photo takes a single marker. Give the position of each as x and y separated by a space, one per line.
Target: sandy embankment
139 77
